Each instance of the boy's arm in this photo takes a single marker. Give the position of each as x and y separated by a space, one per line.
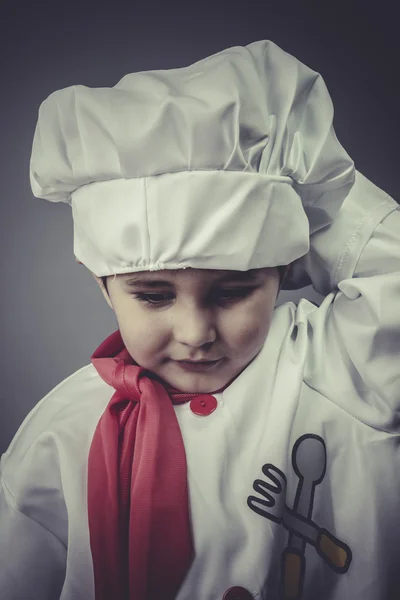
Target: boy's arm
32 559
356 263
336 249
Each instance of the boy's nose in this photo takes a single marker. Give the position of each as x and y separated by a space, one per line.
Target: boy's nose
195 328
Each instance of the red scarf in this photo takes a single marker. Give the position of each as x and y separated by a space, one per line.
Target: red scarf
138 503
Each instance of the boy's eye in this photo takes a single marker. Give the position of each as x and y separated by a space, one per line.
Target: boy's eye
223 295
151 298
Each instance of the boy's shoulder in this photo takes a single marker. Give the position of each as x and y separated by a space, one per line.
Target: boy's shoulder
72 407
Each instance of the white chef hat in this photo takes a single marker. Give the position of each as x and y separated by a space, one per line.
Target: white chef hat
229 163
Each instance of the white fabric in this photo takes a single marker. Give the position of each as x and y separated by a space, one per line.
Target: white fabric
332 372
228 163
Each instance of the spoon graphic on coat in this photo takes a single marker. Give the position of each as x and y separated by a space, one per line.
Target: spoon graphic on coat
309 463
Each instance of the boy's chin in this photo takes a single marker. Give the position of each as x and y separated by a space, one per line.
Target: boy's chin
196 383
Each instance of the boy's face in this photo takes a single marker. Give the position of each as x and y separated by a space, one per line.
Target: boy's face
196 314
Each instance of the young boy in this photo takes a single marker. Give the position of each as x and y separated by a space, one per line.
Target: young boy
216 447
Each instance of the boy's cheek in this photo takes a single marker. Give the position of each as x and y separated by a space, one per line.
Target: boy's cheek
250 331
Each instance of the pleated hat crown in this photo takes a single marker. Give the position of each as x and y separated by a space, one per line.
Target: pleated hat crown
229 163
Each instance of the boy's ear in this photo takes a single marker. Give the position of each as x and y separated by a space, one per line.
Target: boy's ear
101 285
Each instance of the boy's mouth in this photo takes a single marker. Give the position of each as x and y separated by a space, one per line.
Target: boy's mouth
199 365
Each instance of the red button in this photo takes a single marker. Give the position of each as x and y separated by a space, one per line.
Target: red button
203 405
237 593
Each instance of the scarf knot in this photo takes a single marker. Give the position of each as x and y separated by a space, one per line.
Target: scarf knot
129 380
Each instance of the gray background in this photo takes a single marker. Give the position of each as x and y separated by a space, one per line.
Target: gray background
53 314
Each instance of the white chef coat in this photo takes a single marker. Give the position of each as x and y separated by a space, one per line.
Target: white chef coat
305 442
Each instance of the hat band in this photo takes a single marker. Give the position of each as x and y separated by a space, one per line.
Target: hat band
201 219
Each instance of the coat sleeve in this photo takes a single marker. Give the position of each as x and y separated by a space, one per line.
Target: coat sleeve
32 559
355 359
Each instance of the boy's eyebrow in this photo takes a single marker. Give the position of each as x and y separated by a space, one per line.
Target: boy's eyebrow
143 280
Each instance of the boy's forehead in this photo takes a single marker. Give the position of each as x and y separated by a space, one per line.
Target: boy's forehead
170 274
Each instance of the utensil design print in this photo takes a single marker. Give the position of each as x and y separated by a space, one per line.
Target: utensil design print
309 464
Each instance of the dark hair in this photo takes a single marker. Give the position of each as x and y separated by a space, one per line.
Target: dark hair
281 270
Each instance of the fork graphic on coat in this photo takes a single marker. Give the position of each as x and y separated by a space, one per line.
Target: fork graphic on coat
309 464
